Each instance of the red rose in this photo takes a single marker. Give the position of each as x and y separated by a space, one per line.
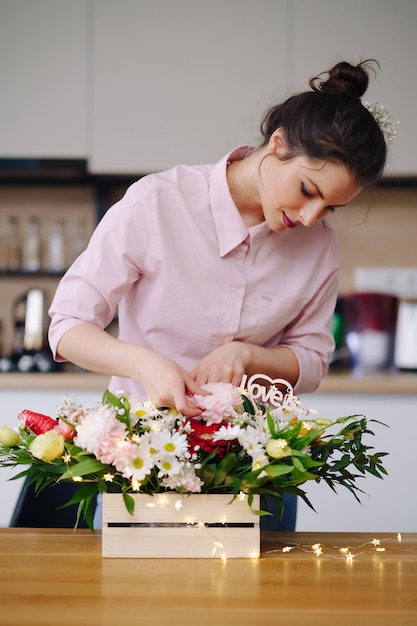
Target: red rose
202 435
36 422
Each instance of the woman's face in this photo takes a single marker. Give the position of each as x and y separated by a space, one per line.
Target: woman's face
301 191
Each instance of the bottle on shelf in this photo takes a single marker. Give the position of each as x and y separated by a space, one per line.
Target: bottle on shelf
13 244
79 241
31 249
56 248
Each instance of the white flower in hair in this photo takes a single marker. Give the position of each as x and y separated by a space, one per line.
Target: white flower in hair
384 119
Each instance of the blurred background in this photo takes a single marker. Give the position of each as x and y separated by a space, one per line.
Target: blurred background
96 93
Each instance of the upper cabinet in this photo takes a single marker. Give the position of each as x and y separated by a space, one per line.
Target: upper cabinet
327 31
43 72
184 81
136 86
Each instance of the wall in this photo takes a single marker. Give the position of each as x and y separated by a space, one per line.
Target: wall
378 228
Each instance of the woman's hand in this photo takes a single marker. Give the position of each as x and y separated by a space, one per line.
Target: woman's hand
229 362
226 364
167 384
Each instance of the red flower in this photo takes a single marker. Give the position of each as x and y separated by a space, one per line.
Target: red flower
36 422
202 435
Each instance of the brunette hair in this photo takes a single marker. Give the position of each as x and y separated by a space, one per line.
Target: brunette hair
330 123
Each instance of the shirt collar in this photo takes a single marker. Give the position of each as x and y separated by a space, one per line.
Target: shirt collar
231 229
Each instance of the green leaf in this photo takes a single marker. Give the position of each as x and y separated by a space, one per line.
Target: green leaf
129 503
88 466
278 470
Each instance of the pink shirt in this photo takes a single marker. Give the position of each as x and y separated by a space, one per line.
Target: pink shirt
187 275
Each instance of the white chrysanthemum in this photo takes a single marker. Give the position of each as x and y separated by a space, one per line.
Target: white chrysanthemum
140 463
168 465
227 433
259 460
170 443
252 446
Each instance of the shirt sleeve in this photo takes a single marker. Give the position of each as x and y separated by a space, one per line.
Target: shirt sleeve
90 290
310 336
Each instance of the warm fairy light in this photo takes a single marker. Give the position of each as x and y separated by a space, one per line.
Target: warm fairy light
254 555
77 479
151 505
178 505
223 519
163 500
66 457
190 520
241 496
345 551
108 478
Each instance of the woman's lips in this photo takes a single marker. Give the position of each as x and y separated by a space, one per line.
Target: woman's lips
287 222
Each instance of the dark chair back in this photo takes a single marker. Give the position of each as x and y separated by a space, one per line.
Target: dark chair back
42 510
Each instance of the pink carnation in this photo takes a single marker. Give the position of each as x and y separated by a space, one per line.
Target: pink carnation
220 404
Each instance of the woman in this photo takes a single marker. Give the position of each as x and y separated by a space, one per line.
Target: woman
220 270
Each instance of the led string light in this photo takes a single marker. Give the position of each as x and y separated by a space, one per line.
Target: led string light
319 549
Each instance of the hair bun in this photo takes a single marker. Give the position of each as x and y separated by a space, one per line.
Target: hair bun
345 79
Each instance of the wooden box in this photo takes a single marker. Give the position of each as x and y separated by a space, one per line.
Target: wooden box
179 526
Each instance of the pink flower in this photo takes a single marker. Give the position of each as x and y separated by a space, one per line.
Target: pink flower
221 404
65 430
99 431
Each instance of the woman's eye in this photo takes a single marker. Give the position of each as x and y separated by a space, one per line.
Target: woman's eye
305 191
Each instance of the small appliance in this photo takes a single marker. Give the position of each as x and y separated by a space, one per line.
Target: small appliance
405 353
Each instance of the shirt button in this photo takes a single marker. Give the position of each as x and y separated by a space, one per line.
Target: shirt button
239 255
236 295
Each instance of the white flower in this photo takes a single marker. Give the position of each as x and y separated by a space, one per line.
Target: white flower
168 465
140 463
227 433
170 443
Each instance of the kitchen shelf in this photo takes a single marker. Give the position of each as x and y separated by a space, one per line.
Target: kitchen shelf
390 382
25 275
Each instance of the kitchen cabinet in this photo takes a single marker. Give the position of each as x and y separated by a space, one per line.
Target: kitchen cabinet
327 31
186 81
182 82
388 505
43 69
139 86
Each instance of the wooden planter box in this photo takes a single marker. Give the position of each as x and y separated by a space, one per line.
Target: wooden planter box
174 526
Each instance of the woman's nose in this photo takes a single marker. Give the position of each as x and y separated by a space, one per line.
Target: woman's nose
310 213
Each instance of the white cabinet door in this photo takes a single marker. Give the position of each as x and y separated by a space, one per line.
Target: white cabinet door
388 505
43 52
327 31
182 81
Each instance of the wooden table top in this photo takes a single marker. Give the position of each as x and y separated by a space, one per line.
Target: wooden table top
50 576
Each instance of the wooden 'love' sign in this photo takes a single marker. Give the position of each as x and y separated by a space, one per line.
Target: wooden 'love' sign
269 393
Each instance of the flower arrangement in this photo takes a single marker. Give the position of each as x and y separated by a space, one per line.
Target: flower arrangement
253 439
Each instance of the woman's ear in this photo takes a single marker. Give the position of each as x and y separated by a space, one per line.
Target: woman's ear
277 142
